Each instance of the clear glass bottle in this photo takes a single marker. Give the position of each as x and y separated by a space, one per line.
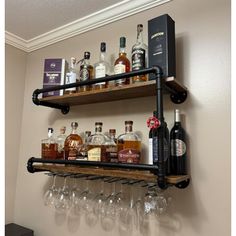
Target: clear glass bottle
111 147
73 143
122 63
84 147
129 145
86 72
101 68
71 76
139 55
49 146
96 148
60 143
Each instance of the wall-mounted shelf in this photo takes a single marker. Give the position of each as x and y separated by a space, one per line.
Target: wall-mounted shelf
127 171
157 173
141 89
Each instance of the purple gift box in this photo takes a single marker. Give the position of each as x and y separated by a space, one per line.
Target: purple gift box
54 74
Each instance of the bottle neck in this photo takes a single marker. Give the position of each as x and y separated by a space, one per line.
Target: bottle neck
139 37
74 131
102 56
122 51
128 128
98 129
86 62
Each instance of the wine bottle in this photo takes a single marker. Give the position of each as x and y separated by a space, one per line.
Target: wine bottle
178 147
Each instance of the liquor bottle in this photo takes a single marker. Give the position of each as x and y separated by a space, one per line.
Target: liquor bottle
86 72
84 147
71 76
96 148
60 143
129 145
122 63
101 68
153 145
111 147
49 146
139 55
73 143
178 147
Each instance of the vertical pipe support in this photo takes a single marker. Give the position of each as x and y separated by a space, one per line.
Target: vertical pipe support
161 181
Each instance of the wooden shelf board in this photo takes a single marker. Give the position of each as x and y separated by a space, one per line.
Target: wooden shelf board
129 174
142 89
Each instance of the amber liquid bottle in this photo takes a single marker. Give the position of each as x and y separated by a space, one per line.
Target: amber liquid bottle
73 143
129 145
122 64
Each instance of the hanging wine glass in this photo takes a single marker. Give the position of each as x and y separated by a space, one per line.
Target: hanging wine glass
63 203
51 193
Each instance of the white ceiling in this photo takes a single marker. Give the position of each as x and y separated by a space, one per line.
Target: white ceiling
33 24
30 18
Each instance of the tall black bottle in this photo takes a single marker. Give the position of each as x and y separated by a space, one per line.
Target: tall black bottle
153 145
178 147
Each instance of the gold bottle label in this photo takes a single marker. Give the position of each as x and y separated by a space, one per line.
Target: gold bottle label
94 154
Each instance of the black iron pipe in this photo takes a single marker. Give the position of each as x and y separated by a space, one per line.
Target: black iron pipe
160 139
98 80
33 160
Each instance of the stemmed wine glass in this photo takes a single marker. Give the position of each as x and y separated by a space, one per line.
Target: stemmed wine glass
109 212
63 203
51 193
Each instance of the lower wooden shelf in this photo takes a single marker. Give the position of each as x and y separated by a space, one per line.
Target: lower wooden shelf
100 171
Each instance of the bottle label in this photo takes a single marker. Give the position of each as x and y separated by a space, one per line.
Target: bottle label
129 156
150 154
70 78
118 69
111 154
138 59
94 154
178 147
100 71
84 74
73 147
155 150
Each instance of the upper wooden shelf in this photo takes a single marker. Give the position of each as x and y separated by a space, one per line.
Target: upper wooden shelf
142 89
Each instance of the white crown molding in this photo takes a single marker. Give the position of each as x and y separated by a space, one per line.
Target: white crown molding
108 15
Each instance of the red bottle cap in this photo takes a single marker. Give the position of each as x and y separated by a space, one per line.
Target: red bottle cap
153 123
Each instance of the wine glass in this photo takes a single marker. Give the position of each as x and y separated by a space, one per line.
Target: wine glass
75 192
51 193
63 203
109 212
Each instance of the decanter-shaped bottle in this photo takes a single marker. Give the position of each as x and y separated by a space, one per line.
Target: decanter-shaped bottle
96 148
73 143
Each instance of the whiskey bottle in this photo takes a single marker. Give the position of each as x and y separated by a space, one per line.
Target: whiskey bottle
49 146
73 143
122 64
111 147
84 147
86 72
139 55
178 147
101 68
71 76
129 145
96 145
60 143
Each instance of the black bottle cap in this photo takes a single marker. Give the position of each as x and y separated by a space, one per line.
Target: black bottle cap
103 47
50 129
86 55
122 42
128 122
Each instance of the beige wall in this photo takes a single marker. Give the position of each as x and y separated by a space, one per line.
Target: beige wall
203 61
14 91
